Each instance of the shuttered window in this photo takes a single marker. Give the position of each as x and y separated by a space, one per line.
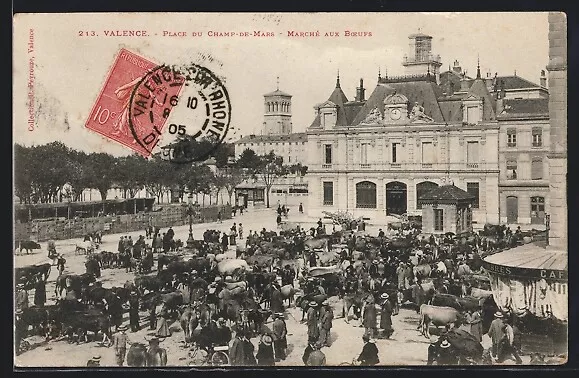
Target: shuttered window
473 188
438 219
328 193
537 168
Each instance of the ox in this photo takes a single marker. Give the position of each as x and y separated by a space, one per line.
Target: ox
438 316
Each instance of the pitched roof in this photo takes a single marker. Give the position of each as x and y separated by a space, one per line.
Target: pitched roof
421 91
516 82
511 82
277 93
447 193
525 107
293 137
479 89
346 109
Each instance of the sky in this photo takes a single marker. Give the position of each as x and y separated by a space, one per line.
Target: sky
70 70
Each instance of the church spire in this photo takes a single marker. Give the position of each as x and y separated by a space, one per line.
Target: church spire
338 80
478 67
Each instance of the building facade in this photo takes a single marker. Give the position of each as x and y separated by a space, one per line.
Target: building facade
378 156
277 136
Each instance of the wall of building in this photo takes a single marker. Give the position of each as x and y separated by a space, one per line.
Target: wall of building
292 151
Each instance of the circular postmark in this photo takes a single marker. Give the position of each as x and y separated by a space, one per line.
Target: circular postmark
180 113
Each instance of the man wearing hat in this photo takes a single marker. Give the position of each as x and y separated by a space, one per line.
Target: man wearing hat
326 317
446 354
264 353
369 354
279 334
120 340
222 333
156 356
312 321
21 297
369 316
496 332
134 311
95 361
433 350
373 270
386 315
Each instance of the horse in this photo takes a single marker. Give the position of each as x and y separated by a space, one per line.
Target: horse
353 300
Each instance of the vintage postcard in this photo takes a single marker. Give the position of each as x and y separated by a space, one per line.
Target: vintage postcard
290 189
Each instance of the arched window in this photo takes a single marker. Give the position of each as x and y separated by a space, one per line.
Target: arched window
366 195
423 188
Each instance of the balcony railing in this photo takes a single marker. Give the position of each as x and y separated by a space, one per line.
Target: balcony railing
408 166
326 166
472 165
427 165
365 166
395 165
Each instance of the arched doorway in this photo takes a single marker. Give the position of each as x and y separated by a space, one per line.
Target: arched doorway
423 188
512 209
366 195
396 198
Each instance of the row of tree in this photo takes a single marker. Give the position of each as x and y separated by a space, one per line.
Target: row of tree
54 172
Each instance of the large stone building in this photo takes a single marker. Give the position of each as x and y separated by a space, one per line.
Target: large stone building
378 156
276 135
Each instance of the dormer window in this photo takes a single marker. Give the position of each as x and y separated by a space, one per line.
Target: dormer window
472 110
328 114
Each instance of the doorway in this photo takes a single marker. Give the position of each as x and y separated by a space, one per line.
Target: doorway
512 209
396 198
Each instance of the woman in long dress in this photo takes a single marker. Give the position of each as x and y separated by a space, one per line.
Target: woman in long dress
163 328
476 325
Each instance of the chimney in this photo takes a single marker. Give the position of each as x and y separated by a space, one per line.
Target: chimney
360 91
464 85
543 79
456 67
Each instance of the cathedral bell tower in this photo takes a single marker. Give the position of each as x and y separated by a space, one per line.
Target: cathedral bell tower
420 60
277 117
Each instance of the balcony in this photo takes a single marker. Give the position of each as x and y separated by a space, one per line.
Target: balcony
365 166
326 166
395 165
472 165
427 165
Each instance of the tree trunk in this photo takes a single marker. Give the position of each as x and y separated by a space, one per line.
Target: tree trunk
267 196
103 194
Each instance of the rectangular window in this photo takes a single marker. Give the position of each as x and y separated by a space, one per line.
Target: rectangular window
511 169
472 154
395 147
473 189
438 219
511 138
472 114
328 193
328 154
427 153
364 153
537 169
537 137
327 120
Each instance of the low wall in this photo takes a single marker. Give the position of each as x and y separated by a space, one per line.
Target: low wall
167 215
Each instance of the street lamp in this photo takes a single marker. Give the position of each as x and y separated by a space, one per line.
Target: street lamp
190 213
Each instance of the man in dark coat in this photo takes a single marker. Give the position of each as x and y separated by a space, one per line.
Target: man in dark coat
134 312
287 276
276 302
156 356
369 354
224 241
222 333
326 317
264 354
386 316
279 336
312 322
153 316
446 354
316 357
40 293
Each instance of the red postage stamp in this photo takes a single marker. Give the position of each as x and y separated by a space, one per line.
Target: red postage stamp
111 111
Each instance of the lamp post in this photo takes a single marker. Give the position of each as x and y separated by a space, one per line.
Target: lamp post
190 213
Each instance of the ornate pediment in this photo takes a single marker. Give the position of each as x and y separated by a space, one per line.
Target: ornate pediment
373 118
327 104
395 99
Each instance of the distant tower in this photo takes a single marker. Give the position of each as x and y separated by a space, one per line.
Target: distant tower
419 60
277 117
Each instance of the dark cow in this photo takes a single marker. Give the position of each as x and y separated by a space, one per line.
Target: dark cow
458 303
81 323
28 245
93 267
29 275
149 283
37 317
73 282
164 260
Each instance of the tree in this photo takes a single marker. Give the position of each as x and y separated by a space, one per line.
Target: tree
130 174
233 176
103 168
22 174
269 168
80 175
50 170
159 174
